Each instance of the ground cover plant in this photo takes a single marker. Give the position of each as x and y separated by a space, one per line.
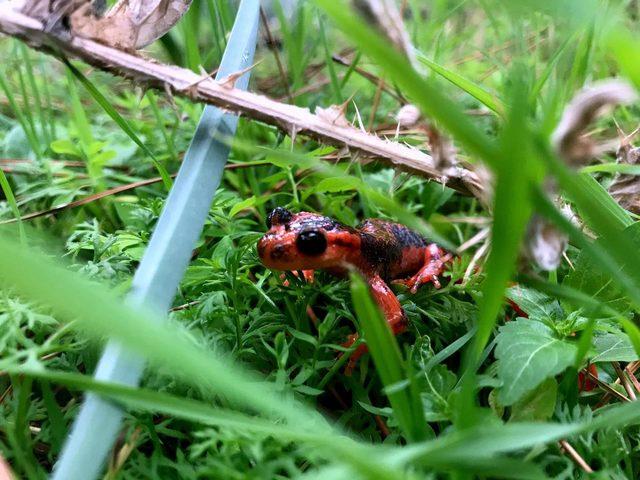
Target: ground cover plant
507 371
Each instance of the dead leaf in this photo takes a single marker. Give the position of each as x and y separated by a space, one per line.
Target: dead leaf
129 24
545 243
568 137
625 188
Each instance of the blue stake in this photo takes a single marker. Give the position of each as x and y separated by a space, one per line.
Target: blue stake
166 258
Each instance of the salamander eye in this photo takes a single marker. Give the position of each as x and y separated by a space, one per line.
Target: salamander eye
311 242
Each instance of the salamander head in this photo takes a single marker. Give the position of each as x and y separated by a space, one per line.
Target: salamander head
306 241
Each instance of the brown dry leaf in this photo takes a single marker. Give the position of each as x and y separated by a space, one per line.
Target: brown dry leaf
545 243
625 189
129 24
568 137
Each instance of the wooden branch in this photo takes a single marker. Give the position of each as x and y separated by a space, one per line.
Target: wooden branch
291 119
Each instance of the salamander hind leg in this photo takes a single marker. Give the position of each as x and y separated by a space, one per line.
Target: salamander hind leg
435 260
393 313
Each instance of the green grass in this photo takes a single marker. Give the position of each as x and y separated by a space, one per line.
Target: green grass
245 379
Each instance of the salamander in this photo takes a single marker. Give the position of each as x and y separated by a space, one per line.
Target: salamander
382 251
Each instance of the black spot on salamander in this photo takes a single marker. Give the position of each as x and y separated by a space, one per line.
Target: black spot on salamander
380 252
407 237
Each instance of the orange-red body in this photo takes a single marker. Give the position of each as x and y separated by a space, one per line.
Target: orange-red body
380 250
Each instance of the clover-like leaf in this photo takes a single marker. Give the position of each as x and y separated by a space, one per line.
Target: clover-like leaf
528 353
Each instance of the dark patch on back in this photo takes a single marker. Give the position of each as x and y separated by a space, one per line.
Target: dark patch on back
407 237
379 247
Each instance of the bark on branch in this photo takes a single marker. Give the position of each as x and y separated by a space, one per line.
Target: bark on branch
182 82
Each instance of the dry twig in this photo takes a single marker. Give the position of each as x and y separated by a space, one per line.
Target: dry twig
575 456
291 119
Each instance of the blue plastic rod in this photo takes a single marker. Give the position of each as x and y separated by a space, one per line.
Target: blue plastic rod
156 281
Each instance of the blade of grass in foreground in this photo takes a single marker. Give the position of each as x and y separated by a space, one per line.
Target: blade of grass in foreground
166 258
374 461
511 212
484 441
384 349
600 196
189 409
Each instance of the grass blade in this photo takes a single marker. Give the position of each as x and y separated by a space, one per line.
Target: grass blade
388 360
476 91
122 123
11 200
167 256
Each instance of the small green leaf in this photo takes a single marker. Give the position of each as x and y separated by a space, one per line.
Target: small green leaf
528 352
535 304
65 147
337 184
441 382
247 203
221 252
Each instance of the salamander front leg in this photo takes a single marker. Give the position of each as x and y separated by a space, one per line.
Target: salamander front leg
393 313
435 260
